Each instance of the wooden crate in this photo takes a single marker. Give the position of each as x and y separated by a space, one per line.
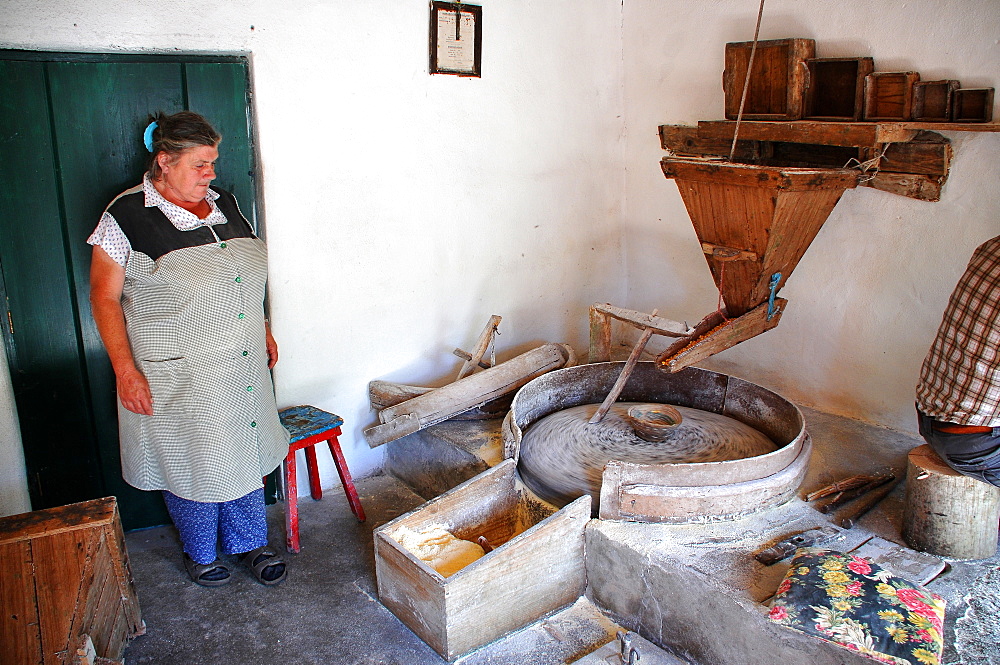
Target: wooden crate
889 95
835 88
972 105
65 575
536 567
777 80
932 100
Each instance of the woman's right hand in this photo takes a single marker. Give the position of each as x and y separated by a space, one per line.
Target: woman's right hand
133 391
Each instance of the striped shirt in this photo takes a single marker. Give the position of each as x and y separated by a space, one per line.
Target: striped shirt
960 377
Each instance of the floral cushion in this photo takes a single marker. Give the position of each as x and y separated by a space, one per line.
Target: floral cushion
846 600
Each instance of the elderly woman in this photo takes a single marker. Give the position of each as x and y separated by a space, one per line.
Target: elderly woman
177 290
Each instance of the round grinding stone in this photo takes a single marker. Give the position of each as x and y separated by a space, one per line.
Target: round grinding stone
563 455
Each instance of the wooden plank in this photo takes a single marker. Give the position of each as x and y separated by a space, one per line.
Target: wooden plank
928 153
858 134
686 140
73 517
409 592
809 131
750 175
20 628
727 335
59 565
507 590
921 187
600 335
440 404
484 343
657 324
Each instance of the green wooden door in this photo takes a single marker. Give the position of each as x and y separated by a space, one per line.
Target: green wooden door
70 140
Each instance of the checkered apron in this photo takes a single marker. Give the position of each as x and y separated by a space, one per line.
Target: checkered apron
195 321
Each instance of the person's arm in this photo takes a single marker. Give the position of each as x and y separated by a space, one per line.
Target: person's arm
272 346
107 279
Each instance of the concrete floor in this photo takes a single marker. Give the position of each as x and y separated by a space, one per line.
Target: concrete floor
327 610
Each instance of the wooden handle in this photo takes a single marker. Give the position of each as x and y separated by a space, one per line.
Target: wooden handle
850 515
630 364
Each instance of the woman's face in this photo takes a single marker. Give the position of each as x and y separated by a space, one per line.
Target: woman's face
187 176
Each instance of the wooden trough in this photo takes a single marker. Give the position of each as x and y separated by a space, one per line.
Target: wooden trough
754 224
536 565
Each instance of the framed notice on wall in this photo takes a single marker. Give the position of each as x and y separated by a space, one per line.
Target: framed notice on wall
456 44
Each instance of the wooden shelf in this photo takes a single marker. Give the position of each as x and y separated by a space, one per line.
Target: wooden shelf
848 134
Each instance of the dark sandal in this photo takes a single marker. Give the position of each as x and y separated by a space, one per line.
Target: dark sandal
262 558
207 574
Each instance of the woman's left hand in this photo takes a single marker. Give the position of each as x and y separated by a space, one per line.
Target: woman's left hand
272 347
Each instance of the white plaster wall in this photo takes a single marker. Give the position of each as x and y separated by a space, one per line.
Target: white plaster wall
403 209
867 297
13 484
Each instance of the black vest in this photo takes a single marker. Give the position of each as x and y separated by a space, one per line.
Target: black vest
149 231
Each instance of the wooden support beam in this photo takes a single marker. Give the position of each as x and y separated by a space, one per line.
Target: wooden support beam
484 343
724 336
922 187
657 324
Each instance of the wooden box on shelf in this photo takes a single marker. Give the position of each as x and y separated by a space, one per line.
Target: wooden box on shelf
777 79
889 95
932 100
835 88
972 105
536 565
65 578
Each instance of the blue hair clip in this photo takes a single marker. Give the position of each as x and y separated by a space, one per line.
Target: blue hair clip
147 136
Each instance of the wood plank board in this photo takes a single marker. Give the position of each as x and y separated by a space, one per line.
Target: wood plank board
749 325
472 391
20 628
859 134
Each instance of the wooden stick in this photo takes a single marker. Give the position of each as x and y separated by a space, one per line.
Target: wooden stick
484 343
839 486
839 499
850 515
630 364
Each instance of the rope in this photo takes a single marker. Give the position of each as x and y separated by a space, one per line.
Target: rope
869 167
746 81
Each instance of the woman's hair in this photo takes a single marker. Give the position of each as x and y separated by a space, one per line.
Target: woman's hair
175 133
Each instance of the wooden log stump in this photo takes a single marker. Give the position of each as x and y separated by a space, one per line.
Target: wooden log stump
948 514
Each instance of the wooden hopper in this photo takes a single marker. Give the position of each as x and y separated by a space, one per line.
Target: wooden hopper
754 224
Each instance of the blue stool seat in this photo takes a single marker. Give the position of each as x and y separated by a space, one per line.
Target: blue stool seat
306 427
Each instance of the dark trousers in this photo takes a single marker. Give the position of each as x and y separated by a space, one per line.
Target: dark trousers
976 455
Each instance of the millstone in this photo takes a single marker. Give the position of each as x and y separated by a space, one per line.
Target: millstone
563 455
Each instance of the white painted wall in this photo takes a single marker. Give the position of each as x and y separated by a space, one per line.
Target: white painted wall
866 299
403 209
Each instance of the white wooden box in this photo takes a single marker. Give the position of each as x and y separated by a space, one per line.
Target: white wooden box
536 567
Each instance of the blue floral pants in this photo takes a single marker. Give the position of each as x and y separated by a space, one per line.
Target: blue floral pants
237 526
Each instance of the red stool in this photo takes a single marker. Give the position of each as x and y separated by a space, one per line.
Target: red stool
308 426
